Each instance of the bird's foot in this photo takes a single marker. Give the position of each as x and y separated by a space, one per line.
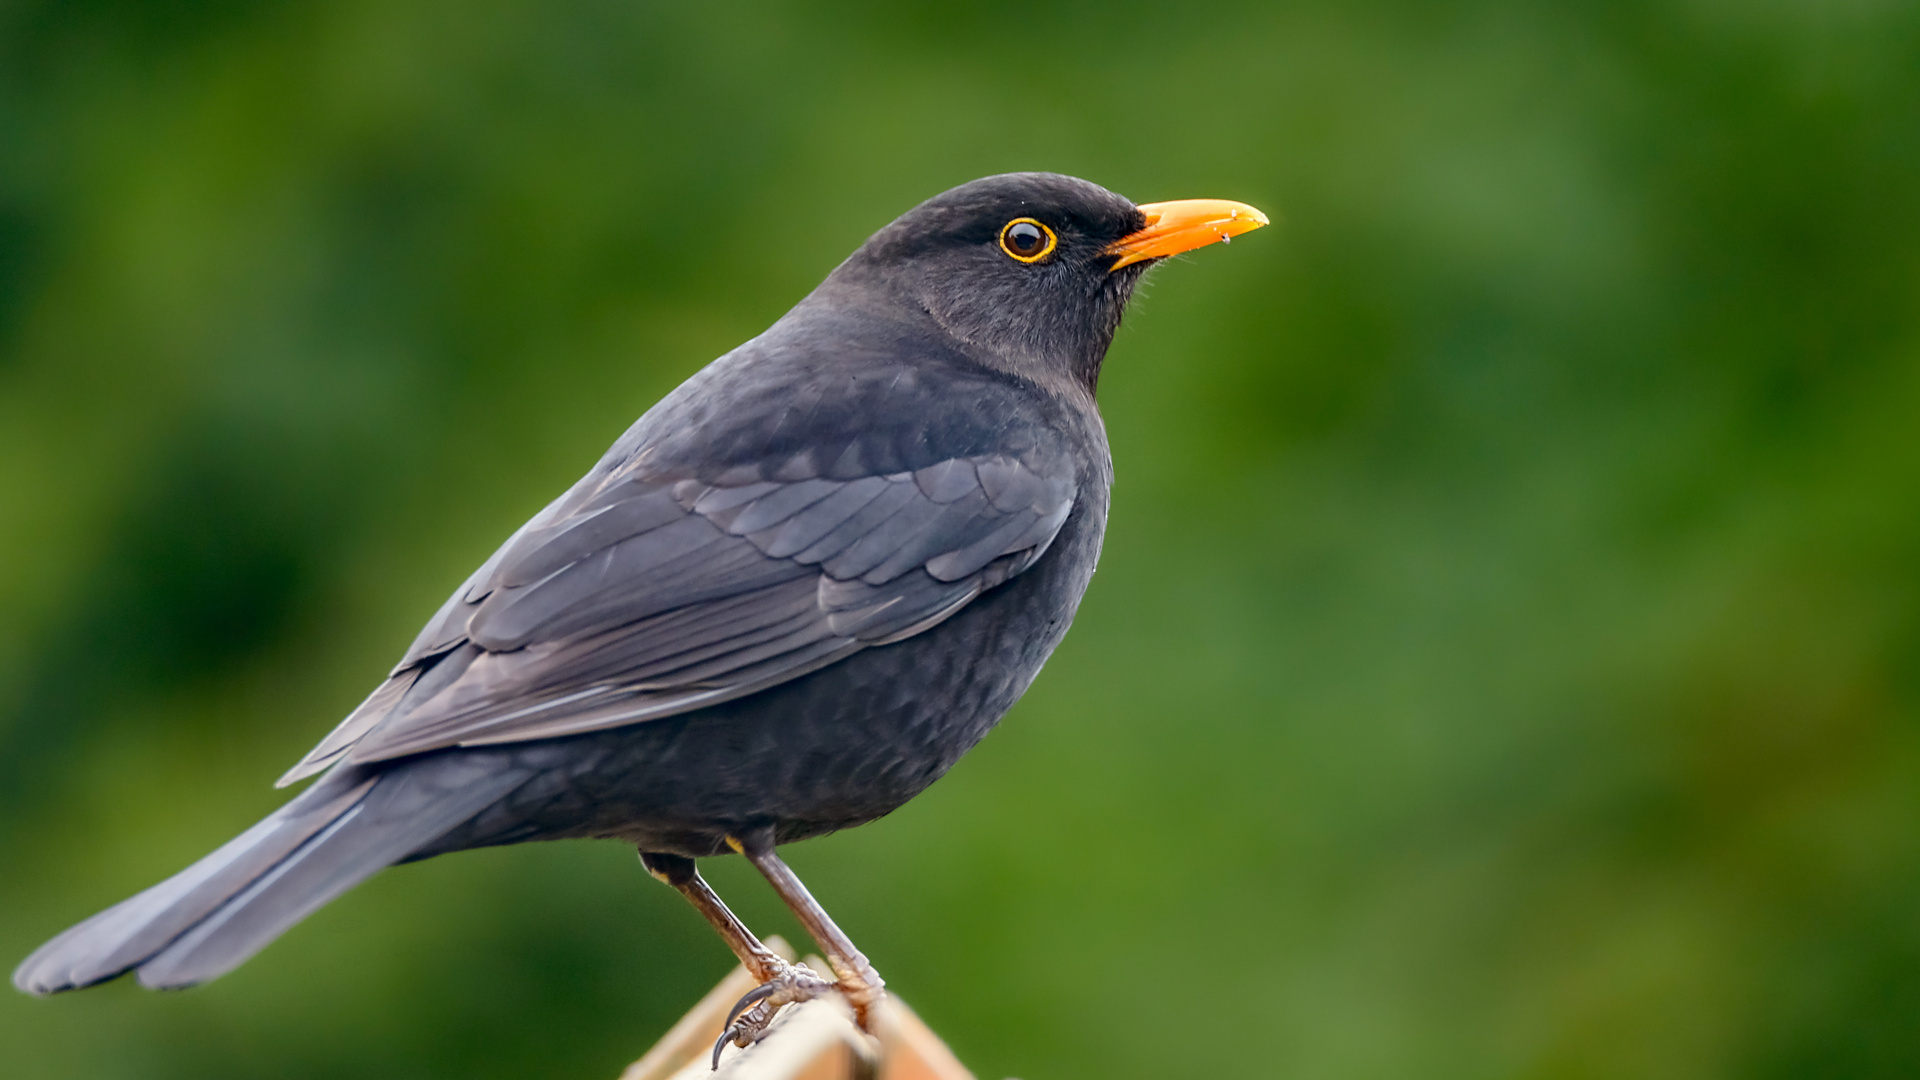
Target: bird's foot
748 1019
861 986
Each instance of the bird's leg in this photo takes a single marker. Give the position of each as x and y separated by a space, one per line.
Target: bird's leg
858 982
780 982
679 872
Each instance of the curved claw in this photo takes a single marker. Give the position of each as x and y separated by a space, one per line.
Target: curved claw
749 1017
747 1001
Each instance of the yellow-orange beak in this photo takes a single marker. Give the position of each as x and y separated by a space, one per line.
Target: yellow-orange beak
1174 227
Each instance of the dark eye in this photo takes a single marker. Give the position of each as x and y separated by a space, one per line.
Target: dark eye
1027 240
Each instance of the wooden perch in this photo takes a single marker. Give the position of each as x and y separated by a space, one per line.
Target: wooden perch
814 1040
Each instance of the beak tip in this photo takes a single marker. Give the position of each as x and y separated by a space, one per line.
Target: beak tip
1174 227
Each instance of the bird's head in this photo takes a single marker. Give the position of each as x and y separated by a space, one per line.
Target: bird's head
1032 271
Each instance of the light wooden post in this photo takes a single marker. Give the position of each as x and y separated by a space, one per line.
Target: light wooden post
814 1040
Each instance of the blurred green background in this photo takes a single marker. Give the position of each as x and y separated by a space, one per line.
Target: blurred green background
1506 656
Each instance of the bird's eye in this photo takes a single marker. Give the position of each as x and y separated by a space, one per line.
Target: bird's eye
1027 240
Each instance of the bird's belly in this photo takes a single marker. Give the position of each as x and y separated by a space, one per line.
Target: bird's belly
826 751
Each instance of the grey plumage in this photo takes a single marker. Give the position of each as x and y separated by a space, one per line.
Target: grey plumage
633 600
215 914
789 597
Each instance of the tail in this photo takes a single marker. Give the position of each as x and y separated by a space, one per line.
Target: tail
209 918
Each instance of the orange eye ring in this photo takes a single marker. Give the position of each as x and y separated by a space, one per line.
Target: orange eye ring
1026 240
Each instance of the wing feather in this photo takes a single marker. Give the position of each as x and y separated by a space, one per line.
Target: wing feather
885 537
884 505
809 527
778 506
636 596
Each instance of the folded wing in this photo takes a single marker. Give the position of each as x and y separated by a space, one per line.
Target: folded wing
637 596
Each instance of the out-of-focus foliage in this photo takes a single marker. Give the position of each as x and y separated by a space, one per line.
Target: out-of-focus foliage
1506 660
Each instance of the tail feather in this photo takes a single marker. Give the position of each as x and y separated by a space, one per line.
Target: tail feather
209 918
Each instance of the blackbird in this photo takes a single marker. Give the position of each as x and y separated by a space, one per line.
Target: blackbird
785 601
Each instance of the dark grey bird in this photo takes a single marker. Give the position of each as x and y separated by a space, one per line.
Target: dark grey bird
785 601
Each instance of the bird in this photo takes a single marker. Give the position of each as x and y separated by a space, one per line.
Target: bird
783 603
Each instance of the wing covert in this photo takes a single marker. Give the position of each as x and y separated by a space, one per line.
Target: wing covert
641 594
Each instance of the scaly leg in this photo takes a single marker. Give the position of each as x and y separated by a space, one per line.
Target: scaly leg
780 982
862 986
